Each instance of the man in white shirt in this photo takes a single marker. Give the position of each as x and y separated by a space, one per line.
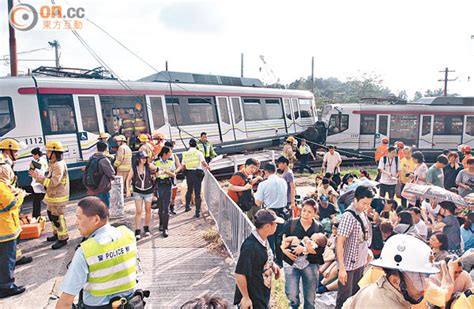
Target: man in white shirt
271 194
389 167
331 161
420 225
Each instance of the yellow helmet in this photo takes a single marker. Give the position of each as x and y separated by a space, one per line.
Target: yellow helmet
143 138
104 135
290 139
10 143
120 138
54 146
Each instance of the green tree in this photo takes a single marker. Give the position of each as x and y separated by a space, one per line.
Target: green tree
417 96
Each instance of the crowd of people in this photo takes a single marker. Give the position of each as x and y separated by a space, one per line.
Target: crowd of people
355 239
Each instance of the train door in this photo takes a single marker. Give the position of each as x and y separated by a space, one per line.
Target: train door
238 122
382 128
426 132
89 124
468 133
226 124
290 116
296 115
58 119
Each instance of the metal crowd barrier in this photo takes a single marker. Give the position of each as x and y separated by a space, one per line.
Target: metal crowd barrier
232 223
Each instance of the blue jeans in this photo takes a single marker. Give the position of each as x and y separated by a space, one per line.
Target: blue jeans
105 197
7 262
310 279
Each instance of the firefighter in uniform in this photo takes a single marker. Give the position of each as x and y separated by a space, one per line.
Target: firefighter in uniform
382 150
145 146
123 159
9 148
104 266
10 202
57 192
193 161
164 181
158 143
206 148
288 151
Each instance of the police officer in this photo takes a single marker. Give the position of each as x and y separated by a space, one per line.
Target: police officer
123 159
9 232
193 161
305 153
406 264
9 148
164 183
206 148
57 192
105 265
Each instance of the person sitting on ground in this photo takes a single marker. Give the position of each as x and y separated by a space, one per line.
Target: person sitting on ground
207 302
420 225
363 174
327 190
347 180
439 246
435 175
326 209
405 224
450 226
467 232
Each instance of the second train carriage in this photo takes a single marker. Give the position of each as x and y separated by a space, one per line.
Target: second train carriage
34 110
429 124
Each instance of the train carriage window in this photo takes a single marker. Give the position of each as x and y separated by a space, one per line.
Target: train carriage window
57 114
338 123
306 109
383 125
201 110
253 109
274 110
286 104
125 114
426 125
7 119
175 113
470 125
88 114
224 110
448 125
157 112
367 124
237 111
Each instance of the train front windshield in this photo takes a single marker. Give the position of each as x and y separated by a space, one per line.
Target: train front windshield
326 113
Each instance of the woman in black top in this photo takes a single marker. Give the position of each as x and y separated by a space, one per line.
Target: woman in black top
451 171
303 255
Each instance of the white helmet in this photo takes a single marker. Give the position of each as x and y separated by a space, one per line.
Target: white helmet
406 254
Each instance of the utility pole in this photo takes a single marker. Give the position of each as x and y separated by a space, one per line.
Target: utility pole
56 46
312 74
242 65
445 80
13 55
166 65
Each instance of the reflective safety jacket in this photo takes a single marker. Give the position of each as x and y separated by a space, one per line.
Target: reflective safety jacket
9 214
207 149
123 159
113 266
304 149
164 166
381 151
191 159
56 184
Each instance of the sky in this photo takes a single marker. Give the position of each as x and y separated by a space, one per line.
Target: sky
404 42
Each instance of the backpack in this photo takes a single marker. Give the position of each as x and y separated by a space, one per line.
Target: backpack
92 173
246 200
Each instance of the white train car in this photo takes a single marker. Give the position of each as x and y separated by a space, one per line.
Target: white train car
34 110
430 124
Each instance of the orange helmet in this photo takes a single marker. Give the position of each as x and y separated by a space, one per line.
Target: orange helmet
466 148
159 135
385 140
400 144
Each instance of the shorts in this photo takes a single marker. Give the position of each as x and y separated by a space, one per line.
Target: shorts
147 198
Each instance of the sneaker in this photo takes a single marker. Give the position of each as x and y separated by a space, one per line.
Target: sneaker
24 260
59 244
187 209
146 230
137 235
197 215
52 238
165 233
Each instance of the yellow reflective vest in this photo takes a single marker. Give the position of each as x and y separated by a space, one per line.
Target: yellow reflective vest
113 266
207 149
9 214
123 160
191 159
304 149
56 184
164 166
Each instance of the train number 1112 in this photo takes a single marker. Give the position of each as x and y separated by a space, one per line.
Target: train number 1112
34 140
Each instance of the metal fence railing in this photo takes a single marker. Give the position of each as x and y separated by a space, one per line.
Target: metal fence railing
232 223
